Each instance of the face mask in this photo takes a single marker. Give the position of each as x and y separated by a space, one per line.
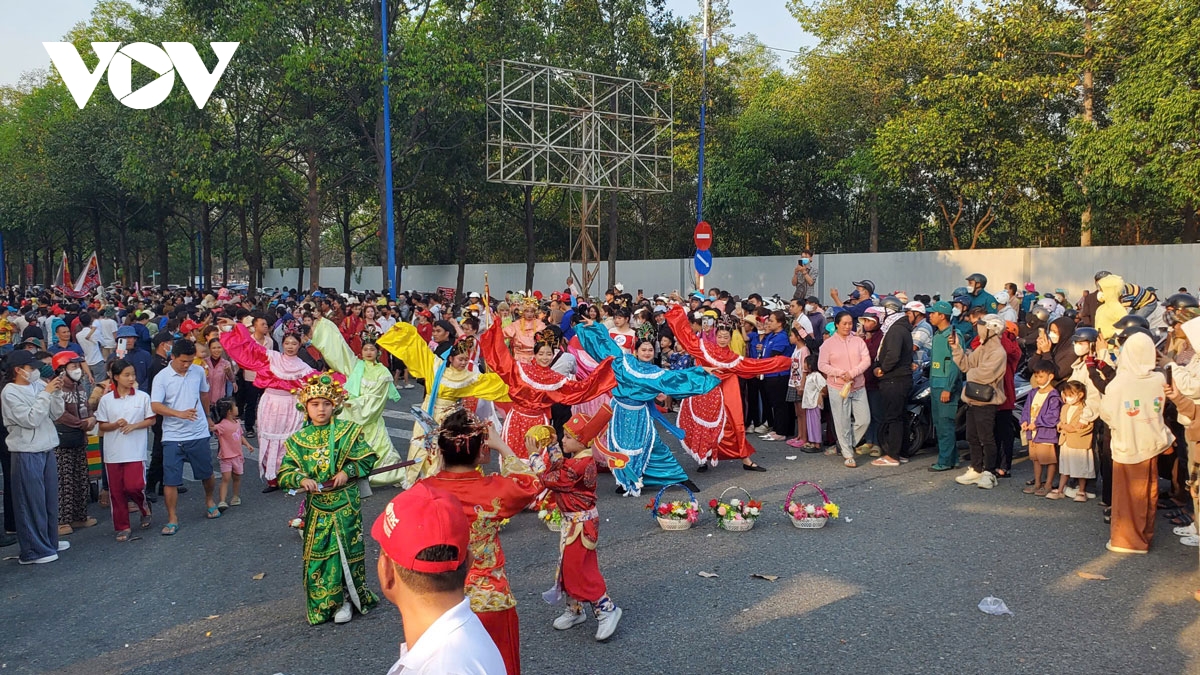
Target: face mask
75 374
33 375
169 352
804 261
1071 400
1081 348
1054 338
809 309
1100 296
956 312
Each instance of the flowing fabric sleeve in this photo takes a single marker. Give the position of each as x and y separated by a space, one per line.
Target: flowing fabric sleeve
403 342
290 471
686 382
597 342
755 367
329 341
489 387
577 392
682 329
360 458
495 353
244 350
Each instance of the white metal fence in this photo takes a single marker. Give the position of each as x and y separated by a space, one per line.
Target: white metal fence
1072 269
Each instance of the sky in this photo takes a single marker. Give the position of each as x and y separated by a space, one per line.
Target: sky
27 24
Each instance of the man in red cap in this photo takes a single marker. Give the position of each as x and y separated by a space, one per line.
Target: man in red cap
423 561
571 477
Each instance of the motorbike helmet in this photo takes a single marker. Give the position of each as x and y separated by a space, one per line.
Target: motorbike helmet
963 299
1037 317
1131 330
1101 274
892 304
1177 302
1070 314
978 279
1131 320
993 323
1085 334
961 290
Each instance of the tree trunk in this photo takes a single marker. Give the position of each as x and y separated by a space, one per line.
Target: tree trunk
612 239
206 228
313 207
530 253
97 235
191 260
461 237
123 245
348 249
160 240
300 229
1089 93
1189 223
225 253
874 246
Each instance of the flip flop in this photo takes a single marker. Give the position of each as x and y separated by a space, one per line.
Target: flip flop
213 513
145 522
170 529
123 535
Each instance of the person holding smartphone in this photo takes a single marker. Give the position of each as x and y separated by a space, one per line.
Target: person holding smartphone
804 277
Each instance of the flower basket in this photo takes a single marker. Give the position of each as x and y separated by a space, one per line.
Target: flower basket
677 515
552 517
735 515
809 516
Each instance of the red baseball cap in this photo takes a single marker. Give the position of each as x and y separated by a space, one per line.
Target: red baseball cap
418 518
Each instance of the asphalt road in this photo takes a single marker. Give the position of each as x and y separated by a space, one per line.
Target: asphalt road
893 586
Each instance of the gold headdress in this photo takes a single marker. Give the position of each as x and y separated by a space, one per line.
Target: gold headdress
369 335
529 300
546 336
321 385
465 344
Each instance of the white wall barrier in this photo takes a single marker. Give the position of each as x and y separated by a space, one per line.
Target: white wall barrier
1165 267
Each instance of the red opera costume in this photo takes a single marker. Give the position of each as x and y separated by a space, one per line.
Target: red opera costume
534 388
713 422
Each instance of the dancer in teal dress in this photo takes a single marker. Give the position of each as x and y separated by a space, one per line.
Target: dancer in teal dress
644 459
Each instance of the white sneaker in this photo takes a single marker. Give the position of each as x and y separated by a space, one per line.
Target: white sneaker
987 480
762 429
1070 491
63 544
1186 531
608 623
971 477
1191 540
569 619
343 615
40 561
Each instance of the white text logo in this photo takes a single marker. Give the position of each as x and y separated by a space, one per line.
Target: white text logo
172 57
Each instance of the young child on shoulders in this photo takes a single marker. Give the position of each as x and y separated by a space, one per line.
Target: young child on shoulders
1039 426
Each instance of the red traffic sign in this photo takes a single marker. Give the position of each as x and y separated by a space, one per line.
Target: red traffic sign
703 236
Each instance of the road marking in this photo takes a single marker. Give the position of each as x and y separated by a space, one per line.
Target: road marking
404 434
398 415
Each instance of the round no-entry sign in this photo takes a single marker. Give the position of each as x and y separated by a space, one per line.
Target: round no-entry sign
702 236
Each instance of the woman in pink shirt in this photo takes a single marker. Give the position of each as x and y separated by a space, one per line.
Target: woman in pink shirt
220 370
843 360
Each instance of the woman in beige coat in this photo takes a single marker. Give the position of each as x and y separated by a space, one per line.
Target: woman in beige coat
984 369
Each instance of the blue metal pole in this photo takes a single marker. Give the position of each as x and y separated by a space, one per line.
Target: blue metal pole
703 114
387 166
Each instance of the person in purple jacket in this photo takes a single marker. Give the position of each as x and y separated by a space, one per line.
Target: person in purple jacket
1039 425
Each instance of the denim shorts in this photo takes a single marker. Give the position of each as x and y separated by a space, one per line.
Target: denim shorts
175 453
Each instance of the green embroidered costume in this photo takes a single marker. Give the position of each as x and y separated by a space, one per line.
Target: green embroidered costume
333 534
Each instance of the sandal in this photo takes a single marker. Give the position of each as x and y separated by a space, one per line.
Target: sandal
145 523
213 513
850 463
1182 520
885 461
1031 488
1054 494
123 535
1041 492
170 529
1081 497
1031 482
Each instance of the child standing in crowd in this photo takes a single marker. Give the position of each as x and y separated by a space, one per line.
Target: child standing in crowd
795 391
1075 441
125 419
813 403
1039 424
230 441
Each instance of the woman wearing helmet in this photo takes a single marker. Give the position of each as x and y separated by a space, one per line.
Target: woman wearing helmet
984 392
979 297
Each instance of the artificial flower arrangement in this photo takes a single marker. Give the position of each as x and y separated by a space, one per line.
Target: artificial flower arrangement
800 510
677 510
809 516
737 515
552 517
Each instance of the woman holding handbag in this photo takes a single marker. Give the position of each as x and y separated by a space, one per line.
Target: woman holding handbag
983 394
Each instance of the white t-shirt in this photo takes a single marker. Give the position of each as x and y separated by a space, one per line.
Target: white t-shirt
106 330
456 643
130 447
86 337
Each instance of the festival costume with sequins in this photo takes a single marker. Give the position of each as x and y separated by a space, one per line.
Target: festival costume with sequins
572 481
632 436
520 334
444 386
370 387
534 388
334 567
277 374
713 422
487 500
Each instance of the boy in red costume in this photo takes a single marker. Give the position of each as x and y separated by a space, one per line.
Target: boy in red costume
571 478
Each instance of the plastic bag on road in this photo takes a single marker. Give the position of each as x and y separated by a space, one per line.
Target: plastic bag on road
994 606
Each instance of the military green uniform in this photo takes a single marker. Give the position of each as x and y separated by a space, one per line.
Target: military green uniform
944 375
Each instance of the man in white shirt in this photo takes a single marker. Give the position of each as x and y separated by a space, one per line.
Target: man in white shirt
180 396
106 330
423 535
88 338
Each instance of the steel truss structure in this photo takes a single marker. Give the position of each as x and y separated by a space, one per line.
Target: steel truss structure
582 131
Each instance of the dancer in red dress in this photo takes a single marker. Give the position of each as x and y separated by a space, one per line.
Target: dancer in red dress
713 422
534 386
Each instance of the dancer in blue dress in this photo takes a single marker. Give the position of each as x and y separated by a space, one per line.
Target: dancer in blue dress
636 454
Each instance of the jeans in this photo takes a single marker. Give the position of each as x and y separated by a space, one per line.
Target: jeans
981 436
893 428
943 427
875 402
851 417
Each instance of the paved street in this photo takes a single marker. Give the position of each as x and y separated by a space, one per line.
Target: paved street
891 587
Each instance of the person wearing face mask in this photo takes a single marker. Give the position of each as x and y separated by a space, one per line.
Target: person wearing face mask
816 317
983 393
804 277
959 319
1055 345
29 409
871 335
71 454
979 297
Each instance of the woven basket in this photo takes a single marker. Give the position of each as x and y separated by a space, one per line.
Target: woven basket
734 525
805 523
673 523
553 526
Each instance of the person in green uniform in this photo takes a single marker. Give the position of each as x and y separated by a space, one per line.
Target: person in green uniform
324 459
945 379
368 382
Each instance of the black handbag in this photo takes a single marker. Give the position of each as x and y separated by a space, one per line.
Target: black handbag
979 392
